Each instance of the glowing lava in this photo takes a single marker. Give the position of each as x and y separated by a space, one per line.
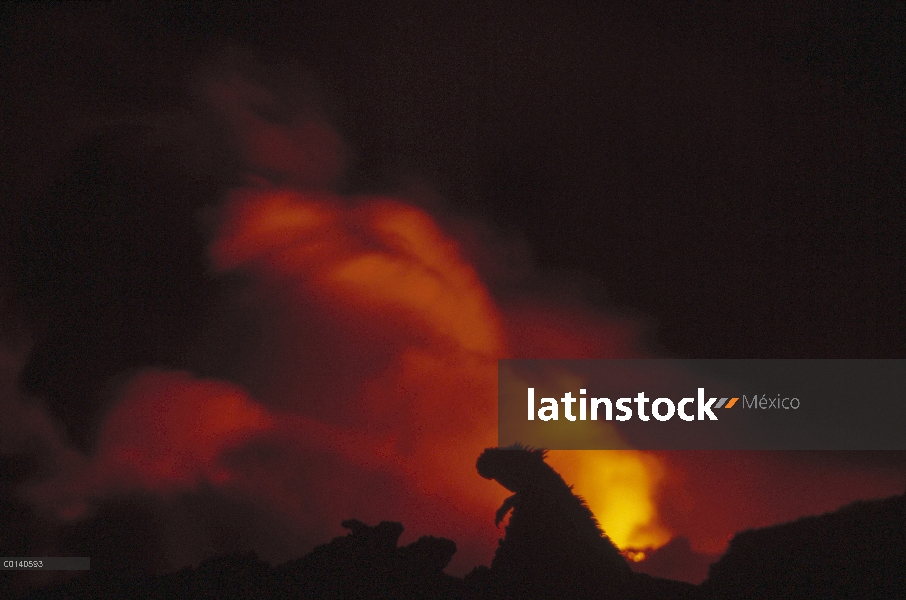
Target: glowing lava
354 372
386 275
620 487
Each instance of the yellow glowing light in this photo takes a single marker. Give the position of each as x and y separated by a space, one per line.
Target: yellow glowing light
620 488
634 555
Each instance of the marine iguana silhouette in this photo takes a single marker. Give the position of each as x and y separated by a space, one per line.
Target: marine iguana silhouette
553 544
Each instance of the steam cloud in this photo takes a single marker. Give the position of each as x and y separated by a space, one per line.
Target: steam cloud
398 403
364 384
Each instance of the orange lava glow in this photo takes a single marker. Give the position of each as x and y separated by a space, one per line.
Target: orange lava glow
386 272
371 392
169 430
352 373
366 381
634 555
620 488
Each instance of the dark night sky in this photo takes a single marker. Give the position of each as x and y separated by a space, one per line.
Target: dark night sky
733 173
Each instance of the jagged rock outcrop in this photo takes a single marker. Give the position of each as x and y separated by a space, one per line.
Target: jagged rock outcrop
368 564
552 548
858 551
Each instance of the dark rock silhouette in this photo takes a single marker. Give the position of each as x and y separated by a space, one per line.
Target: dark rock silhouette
368 564
857 552
676 560
235 576
364 564
553 548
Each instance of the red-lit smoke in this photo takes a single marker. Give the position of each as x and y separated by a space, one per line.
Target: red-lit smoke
367 382
371 395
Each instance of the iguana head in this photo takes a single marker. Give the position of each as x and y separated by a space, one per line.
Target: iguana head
513 467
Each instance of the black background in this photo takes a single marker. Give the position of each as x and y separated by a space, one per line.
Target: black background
733 172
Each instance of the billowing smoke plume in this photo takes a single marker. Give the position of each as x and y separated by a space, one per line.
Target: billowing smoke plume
351 372
371 390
